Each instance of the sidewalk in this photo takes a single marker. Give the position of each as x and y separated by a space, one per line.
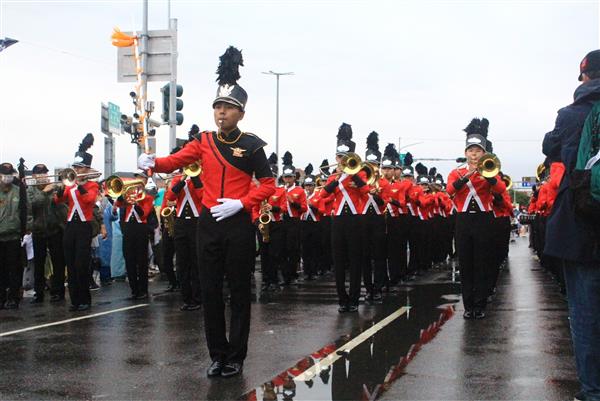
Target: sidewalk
520 351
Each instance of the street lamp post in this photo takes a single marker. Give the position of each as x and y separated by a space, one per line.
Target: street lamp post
277 75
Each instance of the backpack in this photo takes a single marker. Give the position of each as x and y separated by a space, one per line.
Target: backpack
585 179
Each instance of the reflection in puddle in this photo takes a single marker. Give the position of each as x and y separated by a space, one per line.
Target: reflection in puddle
370 367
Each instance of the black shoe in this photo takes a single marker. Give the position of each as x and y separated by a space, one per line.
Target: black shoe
353 308
142 296
83 307
56 298
94 287
231 369
37 300
478 314
343 309
73 308
214 369
11 305
172 288
468 314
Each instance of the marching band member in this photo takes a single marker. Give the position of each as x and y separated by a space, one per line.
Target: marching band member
311 234
186 192
394 248
346 235
293 205
374 204
503 212
472 195
136 209
326 210
167 242
421 202
81 198
225 233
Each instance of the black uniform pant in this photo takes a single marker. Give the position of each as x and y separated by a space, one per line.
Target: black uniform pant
413 243
226 248
473 238
311 246
268 264
11 270
291 255
135 251
187 260
167 252
501 239
346 242
41 245
57 255
374 252
327 259
422 243
276 250
397 242
77 243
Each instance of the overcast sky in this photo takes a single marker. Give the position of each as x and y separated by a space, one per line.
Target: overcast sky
415 70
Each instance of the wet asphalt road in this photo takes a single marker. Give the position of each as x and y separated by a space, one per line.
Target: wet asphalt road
427 351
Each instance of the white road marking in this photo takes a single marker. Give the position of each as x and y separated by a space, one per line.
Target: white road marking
8 333
346 348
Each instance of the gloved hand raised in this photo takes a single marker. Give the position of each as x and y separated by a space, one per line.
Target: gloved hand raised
227 208
146 161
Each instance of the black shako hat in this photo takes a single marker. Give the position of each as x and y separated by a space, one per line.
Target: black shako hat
273 164
407 168
389 156
309 178
288 168
7 169
82 158
422 174
228 74
477 132
344 140
591 62
324 169
373 155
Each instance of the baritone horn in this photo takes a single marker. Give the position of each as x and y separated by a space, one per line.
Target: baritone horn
130 188
489 165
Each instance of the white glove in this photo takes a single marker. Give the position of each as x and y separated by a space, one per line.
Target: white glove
227 208
146 161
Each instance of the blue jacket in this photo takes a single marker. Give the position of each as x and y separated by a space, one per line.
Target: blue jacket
567 236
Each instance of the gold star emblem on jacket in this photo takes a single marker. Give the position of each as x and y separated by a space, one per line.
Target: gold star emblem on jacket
238 152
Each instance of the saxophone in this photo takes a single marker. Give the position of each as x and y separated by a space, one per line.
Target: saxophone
263 222
168 215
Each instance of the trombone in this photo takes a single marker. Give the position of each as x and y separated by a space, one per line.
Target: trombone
350 164
489 165
68 177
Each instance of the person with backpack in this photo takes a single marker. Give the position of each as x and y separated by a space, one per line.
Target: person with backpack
571 234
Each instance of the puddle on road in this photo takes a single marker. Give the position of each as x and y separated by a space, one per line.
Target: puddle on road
372 366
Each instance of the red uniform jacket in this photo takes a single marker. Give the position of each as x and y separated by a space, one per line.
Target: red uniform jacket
137 212
384 196
229 167
189 194
502 207
326 201
557 171
419 201
532 209
345 194
476 188
83 203
313 212
293 203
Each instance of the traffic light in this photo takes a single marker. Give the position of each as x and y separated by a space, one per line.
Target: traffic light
178 103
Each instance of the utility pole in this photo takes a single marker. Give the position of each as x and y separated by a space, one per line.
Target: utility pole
277 74
173 84
144 65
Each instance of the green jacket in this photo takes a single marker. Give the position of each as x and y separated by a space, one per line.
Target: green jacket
10 223
40 208
57 218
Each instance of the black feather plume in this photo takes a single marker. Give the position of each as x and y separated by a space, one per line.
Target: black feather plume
408 159
287 159
309 169
439 177
421 169
484 127
324 166
229 63
272 159
390 151
432 172
479 127
194 130
87 143
373 141
344 132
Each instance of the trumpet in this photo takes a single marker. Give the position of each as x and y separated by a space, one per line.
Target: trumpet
131 189
168 215
264 220
489 165
191 170
68 177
